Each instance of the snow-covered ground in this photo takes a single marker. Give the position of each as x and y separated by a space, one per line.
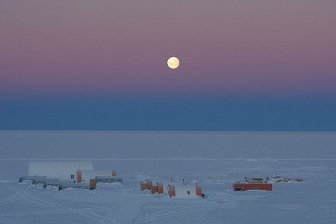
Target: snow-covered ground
313 201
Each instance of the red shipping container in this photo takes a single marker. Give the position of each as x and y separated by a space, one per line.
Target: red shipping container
252 186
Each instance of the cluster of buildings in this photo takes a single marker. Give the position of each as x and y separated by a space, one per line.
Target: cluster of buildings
173 189
68 174
80 174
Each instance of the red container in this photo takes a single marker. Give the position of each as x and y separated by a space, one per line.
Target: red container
146 185
79 176
252 186
143 186
114 173
154 189
160 188
199 191
171 191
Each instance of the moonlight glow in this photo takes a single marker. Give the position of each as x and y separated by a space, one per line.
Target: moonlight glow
173 62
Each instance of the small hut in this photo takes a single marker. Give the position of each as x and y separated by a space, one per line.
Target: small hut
157 188
146 185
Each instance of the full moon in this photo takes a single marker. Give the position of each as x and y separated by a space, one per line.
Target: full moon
173 62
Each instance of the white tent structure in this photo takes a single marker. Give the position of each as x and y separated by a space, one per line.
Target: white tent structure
63 170
184 191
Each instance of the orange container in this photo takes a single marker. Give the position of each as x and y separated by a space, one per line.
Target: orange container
149 185
92 184
79 176
143 185
146 185
154 189
171 191
199 191
160 187
252 186
157 188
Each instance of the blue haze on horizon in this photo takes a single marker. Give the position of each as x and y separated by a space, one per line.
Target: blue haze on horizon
168 114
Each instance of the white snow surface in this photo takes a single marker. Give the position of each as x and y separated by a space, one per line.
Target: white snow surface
213 159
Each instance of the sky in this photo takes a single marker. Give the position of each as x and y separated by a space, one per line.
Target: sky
245 65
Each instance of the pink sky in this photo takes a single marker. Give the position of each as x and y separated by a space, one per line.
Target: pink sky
225 47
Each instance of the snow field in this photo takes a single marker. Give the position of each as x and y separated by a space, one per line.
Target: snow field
312 201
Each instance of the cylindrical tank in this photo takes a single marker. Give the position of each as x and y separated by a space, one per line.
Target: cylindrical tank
85 175
38 179
51 182
108 179
34 179
24 178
